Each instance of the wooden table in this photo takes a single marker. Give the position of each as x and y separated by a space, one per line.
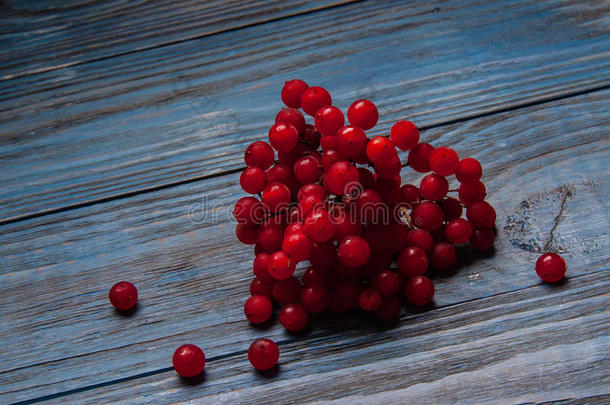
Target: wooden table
123 121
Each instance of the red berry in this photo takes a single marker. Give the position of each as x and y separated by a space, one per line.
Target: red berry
319 226
308 204
413 261
293 117
280 173
331 157
287 291
283 137
346 225
482 239
292 92
380 150
328 143
369 299
280 266
312 189
386 282
443 256
388 170
328 120
434 187
276 196
420 238
428 216
444 161
405 135
419 290
452 208
316 275
311 136
353 251
258 309
472 192
468 170
260 265
551 267
481 214
389 310
341 178
259 287
363 114
246 234
370 207
253 180
293 317
351 141
248 211
307 170
297 246
259 154
458 231
270 236
410 194
315 298
123 295
315 98
263 354
188 361
366 177
419 157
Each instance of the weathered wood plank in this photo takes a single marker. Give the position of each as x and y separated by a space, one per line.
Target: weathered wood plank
193 277
165 115
39 36
544 343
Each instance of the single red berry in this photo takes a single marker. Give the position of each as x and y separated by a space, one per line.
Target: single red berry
342 178
258 309
413 261
319 226
482 239
270 236
311 136
388 170
410 194
123 295
346 225
311 189
420 238
307 170
328 143
315 298
389 310
344 296
315 98
481 214
253 180
443 256
246 234
367 179
380 150
386 282
248 211
551 267
370 207
280 266
276 196
328 120
400 234
468 170
260 265
369 299
287 291
297 246
472 192
363 114
293 317
458 231
188 361
292 92
331 157
419 157
309 204
259 287
354 251
405 135
351 141
428 216
293 117
259 154
444 161
452 208
316 275
434 187
263 354
295 227
280 173
419 290
283 137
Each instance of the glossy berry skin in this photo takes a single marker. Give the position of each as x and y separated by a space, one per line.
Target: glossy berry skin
258 309
363 113
283 137
369 299
405 135
472 192
259 287
287 291
253 180
307 170
444 161
413 261
410 194
482 239
458 231
280 266
188 361
315 98
452 208
328 120
354 251
293 117
419 157
351 141
298 246
293 317
443 256
551 267
311 189
434 187
481 214
123 295
419 290
259 267
246 234
380 150
280 173
316 275
276 196
319 226
346 226
248 211
388 170
263 354
259 154
428 216
331 157
420 238
468 170
389 310
341 178
270 236
308 204
386 282
369 206
292 92
315 298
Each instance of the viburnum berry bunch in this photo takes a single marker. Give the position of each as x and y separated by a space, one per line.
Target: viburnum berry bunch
330 197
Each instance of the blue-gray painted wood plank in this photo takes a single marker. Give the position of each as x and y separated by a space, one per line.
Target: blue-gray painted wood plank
193 276
180 112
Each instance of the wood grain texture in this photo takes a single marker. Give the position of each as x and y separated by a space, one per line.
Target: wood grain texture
539 344
186 111
193 276
39 36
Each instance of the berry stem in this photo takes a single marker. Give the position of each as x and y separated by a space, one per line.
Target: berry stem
303 142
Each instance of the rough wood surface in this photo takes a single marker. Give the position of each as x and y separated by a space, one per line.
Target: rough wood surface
185 111
543 343
39 36
193 276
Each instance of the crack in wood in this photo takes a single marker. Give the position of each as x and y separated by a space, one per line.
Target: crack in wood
566 193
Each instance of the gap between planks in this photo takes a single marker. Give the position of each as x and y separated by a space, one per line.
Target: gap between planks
195 179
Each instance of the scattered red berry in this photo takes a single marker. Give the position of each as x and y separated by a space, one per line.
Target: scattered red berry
419 290
293 317
259 154
123 295
551 267
315 98
363 114
188 361
444 161
328 120
263 354
253 180
292 92
405 135
258 309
